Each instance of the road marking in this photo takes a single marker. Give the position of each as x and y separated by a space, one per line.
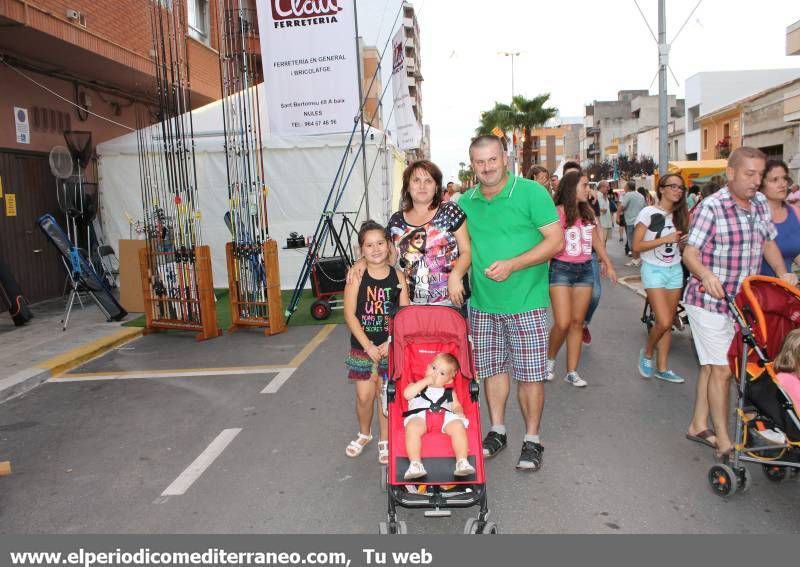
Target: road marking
301 356
77 356
181 484
179 373
280 378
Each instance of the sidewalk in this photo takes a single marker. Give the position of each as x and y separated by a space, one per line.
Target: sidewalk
31 354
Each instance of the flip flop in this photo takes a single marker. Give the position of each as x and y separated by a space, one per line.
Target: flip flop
702 438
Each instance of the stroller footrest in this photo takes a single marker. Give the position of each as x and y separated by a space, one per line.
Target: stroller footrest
438 513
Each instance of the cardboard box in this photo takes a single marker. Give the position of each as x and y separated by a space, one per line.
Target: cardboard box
130 279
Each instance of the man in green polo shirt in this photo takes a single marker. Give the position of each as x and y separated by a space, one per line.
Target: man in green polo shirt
514 230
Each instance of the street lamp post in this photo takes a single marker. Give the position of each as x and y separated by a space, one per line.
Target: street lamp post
511 54
513 154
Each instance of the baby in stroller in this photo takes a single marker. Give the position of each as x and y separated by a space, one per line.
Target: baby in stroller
787 366
433 404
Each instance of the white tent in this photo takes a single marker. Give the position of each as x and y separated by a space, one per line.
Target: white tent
299 173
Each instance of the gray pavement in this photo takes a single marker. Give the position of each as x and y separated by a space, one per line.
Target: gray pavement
96 456
28 354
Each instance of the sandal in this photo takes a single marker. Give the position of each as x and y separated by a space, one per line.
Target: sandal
383 452
357 445
704 438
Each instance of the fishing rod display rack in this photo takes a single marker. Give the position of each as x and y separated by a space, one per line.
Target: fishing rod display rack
255 310
173 309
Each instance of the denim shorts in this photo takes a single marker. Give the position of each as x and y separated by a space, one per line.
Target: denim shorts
665 277
571 274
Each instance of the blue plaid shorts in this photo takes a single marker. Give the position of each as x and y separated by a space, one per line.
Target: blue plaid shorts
514 344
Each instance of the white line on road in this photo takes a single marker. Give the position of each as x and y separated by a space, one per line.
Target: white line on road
181 484
280 378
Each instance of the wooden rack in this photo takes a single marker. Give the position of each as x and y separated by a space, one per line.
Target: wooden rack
154 304
251 313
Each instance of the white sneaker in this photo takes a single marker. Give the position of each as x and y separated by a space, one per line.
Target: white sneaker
575 379
463 468
415 470
551 370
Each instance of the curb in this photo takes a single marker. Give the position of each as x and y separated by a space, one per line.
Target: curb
29 378
638 291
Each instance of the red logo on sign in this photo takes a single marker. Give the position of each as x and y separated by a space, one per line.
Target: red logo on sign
295 9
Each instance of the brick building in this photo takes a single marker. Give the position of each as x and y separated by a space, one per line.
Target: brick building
61 60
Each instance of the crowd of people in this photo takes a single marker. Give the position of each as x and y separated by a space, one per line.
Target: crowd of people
511 249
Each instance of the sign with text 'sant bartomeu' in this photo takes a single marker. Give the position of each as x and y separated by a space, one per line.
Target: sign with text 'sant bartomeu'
308 50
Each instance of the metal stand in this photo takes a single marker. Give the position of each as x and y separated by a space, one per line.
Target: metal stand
75 292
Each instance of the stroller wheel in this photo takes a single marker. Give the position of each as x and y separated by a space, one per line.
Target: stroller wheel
393 528
722 480
745 479
490 528
472 526
320 309
774 473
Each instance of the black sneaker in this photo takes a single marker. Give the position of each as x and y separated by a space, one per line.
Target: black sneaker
493 443
531 457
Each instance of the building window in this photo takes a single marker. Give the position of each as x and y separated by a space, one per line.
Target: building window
198 19
726 130
705 138
694 113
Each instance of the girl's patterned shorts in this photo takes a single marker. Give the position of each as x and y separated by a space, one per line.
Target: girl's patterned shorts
359 365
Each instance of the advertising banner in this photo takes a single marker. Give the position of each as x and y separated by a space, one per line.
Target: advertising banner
409 133
308 50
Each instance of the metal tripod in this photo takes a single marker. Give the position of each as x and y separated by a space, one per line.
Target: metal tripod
76 287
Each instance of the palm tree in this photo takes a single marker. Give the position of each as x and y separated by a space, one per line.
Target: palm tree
530 114
522 114
497 117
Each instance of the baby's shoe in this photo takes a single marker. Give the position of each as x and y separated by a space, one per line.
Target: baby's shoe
415 470
463 468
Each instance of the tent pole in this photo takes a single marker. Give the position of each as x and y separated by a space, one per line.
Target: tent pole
362 103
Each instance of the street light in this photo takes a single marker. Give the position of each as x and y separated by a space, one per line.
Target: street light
511 54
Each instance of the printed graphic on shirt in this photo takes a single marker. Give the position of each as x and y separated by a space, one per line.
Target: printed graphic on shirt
578 240
658 224
376 309
427 253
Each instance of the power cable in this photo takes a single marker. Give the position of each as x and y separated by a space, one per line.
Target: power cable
81 108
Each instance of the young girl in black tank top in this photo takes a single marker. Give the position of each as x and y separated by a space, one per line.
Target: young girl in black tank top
368 304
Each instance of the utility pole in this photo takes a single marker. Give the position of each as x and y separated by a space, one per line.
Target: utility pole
663 107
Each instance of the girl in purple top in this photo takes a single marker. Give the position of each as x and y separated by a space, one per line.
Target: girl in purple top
785 217
571 277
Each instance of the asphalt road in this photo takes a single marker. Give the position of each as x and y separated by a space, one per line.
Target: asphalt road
98 456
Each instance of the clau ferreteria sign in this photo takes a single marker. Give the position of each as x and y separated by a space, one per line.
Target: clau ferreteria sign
308 50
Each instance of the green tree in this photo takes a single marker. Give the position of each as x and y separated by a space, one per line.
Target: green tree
522 114
466 175
530 114
497 117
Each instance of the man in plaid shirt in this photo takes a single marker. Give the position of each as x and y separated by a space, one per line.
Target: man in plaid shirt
730 232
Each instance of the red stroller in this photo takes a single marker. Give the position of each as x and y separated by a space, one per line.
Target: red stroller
418 334
765 310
